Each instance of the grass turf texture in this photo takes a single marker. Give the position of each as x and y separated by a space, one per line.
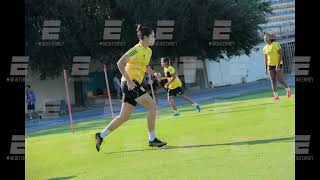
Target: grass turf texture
244 137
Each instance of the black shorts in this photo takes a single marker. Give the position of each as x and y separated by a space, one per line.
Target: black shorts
175 92
129 96
274 67
31 107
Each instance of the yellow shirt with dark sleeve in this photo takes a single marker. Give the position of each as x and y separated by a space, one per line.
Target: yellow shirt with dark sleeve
169 72
271 51
139 60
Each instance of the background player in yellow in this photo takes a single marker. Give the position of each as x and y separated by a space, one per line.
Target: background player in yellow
174 86
133 65
273 56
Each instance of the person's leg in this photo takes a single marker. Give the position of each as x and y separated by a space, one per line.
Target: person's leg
280 78
30 114
189 100
126 111
149 104
172 102
171 94
128 106
33 112
30 108
273 78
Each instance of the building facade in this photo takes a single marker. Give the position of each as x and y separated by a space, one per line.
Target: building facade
282 20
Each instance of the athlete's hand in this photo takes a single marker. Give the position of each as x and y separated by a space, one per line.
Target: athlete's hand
131 85
158 75
166 85
277 68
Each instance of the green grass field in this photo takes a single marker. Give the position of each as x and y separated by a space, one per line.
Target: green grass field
246 137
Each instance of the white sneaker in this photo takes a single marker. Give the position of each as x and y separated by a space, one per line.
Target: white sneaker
176 113
197 106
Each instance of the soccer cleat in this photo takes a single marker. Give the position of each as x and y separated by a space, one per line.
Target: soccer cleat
176 113
276 98
198 108
157 143
289 93
98 141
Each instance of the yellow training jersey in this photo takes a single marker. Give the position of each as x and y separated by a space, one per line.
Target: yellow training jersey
139 60
169 71
271 50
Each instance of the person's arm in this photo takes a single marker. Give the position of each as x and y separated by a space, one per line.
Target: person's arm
121 66
280 58
266 63
174 76
152 72
279 51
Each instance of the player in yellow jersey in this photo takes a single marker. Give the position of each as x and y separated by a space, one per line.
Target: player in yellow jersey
133 65
174 86
273 56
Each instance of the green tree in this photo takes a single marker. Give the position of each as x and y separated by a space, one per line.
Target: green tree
82 24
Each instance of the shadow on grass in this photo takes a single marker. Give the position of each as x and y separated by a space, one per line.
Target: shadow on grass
63 178
263 141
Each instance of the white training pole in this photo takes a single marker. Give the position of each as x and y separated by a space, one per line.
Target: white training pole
153 96
68 98
152 89
108 90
